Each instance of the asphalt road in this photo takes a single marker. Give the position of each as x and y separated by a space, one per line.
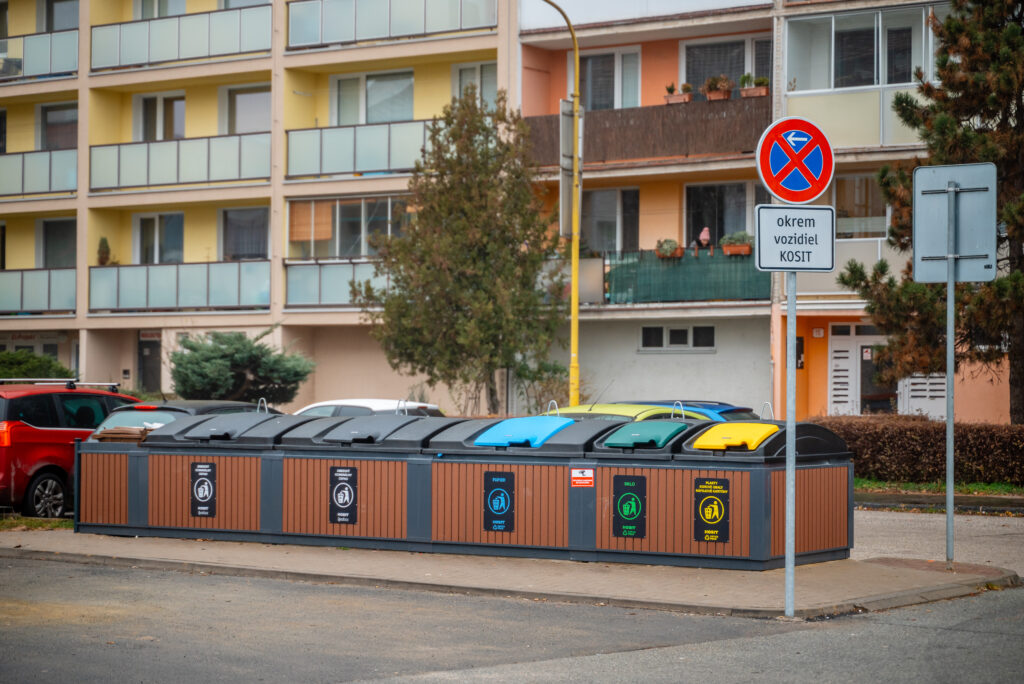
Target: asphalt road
64 622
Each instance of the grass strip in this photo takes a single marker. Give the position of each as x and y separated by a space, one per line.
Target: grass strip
978 488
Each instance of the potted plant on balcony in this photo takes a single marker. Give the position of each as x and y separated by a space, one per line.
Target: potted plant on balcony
738 243
684 94
717 87
668 249
753 87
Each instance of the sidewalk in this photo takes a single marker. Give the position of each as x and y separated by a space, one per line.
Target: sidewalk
831 588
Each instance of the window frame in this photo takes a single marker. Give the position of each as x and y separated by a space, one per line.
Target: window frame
748 40
137 237
666 335
41 239
40 134
750 204
618 52
364 233
833 201
139 114
138 9
335 85
478 67
222 222
618 215
224 105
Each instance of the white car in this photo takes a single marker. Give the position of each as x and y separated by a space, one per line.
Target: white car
369 407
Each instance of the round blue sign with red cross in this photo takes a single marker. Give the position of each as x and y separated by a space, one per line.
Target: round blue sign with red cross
795 160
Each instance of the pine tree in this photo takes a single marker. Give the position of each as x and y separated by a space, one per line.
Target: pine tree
974 113
464 297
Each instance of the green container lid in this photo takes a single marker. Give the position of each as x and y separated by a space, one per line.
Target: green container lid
654 434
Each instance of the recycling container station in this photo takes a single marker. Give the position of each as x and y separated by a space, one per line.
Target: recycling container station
673 492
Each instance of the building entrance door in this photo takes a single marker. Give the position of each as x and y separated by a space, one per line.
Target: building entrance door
852 389
149 365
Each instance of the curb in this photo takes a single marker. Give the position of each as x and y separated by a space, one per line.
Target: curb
874 603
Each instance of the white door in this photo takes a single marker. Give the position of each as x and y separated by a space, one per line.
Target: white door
852 389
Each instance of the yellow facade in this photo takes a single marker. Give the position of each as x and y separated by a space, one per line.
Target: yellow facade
21 17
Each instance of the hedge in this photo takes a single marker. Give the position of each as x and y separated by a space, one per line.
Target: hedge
913 449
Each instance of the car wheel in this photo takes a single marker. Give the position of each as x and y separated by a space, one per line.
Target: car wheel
45 497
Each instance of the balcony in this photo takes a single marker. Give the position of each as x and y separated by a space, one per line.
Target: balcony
371 148
705 129
38 55
331 22
642 277
37 291
180 287
222 158
314 284
36 173
196 36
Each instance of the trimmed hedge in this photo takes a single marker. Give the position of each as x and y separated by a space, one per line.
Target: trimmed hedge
913 449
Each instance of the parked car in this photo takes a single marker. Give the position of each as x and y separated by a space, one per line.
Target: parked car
38 427
717 411
368 407
633 412
150 416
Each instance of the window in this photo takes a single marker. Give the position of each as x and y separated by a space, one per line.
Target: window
3 24
244 234
721 208
61 15
608 80
762 59
697 337
484 76
248 110
343 227
58 243
3 131
163 117
703 336
374 98
37 410
161 239
151 9
712 59
855 50
860 210
610 220
59 129
82 411
232 4
3 248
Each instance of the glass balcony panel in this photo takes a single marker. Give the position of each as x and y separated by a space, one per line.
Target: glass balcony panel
372 148
339 21
10 291
304 23
255 284
371 19
12 64
364 272
224 284
103 288
163 163
163 40
406 144
255 151
163 286
224 158
479 13
105 46
224 30
63 170
134 43
335 284
442 15
62 289
64 52
103 167
406 17
133 165
194 36
10 174
195 163
192 285
303 283
339 150
37 172
37 54
255 29
36 290
304 153
131 288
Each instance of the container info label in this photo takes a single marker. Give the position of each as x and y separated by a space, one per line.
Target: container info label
499 501
629 511
710 510
344 496
204 490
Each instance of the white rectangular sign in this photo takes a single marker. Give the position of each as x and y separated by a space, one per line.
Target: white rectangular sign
795 238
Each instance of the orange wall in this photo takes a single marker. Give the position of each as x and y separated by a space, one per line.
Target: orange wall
659 65
661 206
536 81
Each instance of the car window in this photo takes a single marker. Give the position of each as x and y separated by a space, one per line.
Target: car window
36 410
82 411
232 409
594 416
740 415
355 411
318 411
139 419
659 416
114 402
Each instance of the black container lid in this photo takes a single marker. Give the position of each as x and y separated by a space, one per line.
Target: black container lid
270 432
459 437
173 433
224 430
366 430
762 440
311 433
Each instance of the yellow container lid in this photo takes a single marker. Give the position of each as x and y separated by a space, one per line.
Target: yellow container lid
725 435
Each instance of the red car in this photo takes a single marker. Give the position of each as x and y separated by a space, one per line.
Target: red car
38 428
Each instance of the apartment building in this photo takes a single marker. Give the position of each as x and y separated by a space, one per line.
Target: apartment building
172 167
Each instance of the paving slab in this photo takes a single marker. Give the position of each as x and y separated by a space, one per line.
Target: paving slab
822 589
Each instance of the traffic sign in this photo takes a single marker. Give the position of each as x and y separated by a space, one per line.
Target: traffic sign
795 160
795 238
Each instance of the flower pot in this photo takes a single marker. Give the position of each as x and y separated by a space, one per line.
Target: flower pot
676 98
675 254
736 250
718 95
755 91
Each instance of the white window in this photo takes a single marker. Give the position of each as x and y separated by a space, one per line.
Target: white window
372 98
610 220
243 233
159 238
699 60
342 227
159 117
608 79
61 15
56 243
151 9
484 75
860 209
677 338
244 109
722 208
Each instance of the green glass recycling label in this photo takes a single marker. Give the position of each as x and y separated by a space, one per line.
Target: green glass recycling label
629 514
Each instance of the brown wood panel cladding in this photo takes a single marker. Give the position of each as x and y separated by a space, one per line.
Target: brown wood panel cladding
238 492
380 498
103 497
670 512
541 504
822 509
695 128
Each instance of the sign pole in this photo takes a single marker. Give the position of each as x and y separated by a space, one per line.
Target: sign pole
790 440
951 188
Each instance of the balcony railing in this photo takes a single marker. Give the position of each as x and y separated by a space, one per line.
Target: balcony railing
31 173
176 287
39 54
174 162
184 37
37 291
329 22
641 277
390 147
326 283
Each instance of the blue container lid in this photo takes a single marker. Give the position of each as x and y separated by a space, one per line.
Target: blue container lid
531 430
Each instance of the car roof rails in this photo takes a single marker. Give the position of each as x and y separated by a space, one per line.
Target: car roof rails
69 383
